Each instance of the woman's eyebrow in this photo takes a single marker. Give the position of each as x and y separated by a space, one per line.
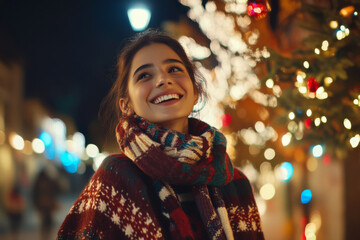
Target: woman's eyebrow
171 60
142 67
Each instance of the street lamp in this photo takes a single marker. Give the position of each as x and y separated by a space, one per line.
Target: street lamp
139 16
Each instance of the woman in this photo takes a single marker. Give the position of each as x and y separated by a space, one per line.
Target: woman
173 178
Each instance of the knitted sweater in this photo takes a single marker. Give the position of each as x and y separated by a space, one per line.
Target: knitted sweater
119 202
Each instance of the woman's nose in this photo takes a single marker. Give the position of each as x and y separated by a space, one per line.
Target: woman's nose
163 79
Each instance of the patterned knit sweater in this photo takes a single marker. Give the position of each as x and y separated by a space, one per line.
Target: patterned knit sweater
119 203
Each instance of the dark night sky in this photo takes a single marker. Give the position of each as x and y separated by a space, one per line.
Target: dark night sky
70 48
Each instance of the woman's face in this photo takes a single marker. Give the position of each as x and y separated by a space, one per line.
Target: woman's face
160 88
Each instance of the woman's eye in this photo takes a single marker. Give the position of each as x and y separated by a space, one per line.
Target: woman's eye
142 76
175 69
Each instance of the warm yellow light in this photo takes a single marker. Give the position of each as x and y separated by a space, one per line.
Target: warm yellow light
317 121
328 81
269 83
347 11
299 78
269 154
302 89
308 112
267 191
92 150
333 24
312 164
310 231
356 101
16 141
38 146
340 35
325 45
317 51
306 64
286 138
291 115
292 126
347 123
354 141
323 119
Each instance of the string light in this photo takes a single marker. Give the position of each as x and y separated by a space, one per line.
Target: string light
328 81
269 83
317 51
347 123
291 115
306 64
325 45
308 112
323 119
317 122
333 24
354 141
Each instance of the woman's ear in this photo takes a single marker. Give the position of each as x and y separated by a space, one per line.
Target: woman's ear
125 107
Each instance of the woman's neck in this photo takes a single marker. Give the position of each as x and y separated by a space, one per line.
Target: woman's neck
179 125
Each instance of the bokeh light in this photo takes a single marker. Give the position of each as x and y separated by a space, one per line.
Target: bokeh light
317 150
267 191
38 146
92 150
16 141
306 196
286 170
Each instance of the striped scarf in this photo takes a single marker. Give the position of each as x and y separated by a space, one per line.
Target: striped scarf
198 159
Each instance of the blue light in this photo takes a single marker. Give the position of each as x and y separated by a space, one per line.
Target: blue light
49 152
306 196
70 161
317 150
66 158
46 138
287 171
72 168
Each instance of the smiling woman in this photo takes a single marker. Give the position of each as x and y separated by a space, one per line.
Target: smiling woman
172 178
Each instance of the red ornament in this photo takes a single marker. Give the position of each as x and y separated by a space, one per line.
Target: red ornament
308 123
226 119
313 85
258 8
326 159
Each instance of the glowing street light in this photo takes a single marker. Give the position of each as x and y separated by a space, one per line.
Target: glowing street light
139 17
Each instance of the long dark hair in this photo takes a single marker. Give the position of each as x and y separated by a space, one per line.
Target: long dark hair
110 110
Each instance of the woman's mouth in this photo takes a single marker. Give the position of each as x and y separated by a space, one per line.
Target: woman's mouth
167 98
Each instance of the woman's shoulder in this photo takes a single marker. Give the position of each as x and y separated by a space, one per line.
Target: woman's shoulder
120 172
119 164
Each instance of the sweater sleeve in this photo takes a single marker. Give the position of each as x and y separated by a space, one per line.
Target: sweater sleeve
116 204
241 207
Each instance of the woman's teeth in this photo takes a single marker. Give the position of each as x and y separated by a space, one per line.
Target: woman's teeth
166 97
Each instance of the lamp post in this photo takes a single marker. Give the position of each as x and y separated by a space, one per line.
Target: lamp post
139 16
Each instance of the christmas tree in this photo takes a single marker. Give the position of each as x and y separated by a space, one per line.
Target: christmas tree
305 109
